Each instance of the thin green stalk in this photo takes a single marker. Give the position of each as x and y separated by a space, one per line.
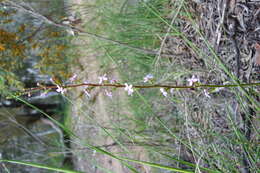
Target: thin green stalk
48 116
36 165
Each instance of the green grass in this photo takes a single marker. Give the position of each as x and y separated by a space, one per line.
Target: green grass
179 133
142 27
36 165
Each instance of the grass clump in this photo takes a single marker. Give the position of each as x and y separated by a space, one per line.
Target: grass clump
190 125
133 26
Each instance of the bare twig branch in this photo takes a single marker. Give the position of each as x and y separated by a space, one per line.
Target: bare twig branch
28 90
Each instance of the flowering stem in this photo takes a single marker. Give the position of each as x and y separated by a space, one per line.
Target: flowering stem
144 86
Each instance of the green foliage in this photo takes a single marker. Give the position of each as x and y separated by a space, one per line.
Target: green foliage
133 25
185 121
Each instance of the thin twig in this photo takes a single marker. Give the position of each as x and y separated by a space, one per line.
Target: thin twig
142 86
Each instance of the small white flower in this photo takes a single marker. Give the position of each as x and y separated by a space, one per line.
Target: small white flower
109 94
60 89
129 89
148 77
206 93
172 90
192 80
102 78
71 79
164 93
112 81
52 81
86 82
